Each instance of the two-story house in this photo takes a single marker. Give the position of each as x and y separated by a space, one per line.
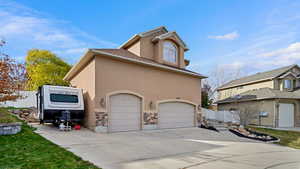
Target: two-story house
143 84
274 95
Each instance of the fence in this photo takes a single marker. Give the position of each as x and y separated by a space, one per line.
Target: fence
28 100
222 116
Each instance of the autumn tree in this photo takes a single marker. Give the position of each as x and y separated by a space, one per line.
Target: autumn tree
44 67
12 76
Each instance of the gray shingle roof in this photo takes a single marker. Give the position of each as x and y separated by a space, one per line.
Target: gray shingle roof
263 93
257 77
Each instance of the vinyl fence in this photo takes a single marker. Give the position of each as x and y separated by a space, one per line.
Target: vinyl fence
222 116
28 100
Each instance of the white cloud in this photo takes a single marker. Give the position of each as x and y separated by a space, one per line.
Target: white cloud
24 28
228 36
281 57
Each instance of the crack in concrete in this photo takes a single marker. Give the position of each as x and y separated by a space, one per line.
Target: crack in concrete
223 158
280 164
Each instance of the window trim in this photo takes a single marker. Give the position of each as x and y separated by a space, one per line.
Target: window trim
176 52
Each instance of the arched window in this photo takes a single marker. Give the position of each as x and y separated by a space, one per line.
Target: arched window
170 52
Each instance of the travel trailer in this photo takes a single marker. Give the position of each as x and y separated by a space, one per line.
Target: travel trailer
60 104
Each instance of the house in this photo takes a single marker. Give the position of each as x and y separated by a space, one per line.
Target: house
143 84
273 95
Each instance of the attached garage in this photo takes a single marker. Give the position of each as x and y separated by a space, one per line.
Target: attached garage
286 115
176 115
125 113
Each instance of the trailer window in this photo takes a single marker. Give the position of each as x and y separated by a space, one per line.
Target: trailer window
63 98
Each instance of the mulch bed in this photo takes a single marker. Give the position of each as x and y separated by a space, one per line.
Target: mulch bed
208 127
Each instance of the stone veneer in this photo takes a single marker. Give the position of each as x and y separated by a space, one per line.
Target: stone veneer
101 122
150 120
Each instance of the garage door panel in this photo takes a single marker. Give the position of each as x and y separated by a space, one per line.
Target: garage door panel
125 112
286 115
176 114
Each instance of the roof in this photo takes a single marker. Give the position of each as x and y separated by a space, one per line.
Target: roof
268 75
128 54
165 35
170 34
260 94
142 34
123 54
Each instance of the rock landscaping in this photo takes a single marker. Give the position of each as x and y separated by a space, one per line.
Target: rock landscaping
29 114
247 133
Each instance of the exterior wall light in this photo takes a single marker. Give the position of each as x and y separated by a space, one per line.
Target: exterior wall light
102 102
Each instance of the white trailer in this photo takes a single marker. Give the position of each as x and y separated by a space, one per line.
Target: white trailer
57 104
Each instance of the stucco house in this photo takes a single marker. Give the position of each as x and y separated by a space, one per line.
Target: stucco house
143 84
274 95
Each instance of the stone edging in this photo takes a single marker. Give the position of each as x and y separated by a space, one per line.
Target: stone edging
10 128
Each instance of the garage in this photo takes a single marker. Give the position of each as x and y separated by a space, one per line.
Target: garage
176 115
286 115
125 113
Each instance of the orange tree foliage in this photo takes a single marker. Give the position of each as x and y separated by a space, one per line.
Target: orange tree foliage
12 77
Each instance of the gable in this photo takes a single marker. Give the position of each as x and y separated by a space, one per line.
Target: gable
173 36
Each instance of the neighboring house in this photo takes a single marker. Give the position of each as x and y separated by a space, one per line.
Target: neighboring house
141 85
274 95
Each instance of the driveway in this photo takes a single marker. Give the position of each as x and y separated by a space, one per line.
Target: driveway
188 148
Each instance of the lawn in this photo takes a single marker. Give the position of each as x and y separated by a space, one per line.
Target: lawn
287 138
6 117
29 150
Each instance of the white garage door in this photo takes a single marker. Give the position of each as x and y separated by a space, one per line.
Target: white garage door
125 113
175 115
286 115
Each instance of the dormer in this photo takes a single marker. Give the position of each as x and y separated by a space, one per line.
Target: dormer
159 45
289 80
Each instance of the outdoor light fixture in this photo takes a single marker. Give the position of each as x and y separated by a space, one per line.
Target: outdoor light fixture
102 102
151 105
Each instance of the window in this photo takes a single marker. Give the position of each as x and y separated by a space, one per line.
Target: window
63 98
287 84
170 52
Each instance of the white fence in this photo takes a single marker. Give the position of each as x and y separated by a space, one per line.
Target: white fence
28 100
222 116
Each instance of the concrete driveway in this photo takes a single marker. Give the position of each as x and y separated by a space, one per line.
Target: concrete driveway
170 149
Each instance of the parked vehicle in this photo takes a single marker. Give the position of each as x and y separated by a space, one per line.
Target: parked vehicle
60 105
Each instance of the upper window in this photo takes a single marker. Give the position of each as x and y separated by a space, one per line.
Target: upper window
63 98
170 52
287 84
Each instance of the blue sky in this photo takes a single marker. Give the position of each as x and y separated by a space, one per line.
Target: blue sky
252 36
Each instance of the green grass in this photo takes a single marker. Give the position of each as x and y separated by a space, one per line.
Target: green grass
28 150
287 138
5 117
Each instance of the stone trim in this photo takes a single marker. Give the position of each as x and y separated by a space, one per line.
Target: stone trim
10 128
150 118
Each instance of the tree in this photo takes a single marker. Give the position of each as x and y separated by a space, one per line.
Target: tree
12 77
220 76
246 113
205 100
44 67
